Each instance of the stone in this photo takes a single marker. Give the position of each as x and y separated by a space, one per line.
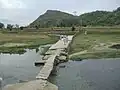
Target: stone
62 58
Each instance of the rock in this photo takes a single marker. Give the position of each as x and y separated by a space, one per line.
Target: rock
62 58
116 46
62 66
50 52
64 54
46 57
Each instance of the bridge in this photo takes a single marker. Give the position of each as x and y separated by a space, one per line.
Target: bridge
55 50
54 54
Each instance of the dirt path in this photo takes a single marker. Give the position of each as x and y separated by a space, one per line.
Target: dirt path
78 53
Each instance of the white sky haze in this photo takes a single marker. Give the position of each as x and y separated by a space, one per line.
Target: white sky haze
25 11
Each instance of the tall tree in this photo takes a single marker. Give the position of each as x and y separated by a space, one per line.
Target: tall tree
9 26
1 25
21 28
36 27
16 26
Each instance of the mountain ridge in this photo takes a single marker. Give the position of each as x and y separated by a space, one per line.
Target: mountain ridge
55 18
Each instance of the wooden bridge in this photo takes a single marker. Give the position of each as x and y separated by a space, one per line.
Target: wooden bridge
41 83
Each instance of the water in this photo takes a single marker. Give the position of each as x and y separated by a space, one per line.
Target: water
88 75
15 68
73 75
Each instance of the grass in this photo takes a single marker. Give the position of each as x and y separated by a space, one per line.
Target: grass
96 43
18 42
97 55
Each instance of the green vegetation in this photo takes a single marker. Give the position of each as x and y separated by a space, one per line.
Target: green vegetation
18 42
54 18
9 27
96 44
101 18
1 25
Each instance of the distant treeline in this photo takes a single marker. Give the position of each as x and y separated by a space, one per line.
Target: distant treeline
11 26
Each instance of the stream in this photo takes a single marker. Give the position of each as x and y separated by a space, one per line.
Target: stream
102 74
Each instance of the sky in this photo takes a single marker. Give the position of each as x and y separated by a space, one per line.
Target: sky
23 12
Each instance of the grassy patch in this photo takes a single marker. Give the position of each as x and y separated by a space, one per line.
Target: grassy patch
97 55
97 43
18 42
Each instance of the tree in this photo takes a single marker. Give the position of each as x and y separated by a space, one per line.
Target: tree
36 27
118 9
16 26
9 26
21 28
73 28
1 25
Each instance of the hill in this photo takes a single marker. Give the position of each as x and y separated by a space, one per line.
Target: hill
62 19
55 18
101 18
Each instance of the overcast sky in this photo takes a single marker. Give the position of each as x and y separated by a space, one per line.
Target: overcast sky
25 11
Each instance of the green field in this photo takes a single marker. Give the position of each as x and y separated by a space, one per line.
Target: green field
96 44
16 42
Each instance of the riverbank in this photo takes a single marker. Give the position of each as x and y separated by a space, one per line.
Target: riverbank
16 43
96 44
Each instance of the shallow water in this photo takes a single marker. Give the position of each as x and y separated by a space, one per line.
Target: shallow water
73 75
88 75
15 68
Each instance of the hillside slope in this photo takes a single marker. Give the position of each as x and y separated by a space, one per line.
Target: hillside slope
54 18
61 19
101 18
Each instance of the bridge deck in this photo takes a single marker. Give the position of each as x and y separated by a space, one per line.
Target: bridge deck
60 44
48 67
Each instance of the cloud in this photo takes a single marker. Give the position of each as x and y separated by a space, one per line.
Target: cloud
12 4
14 11
17 16
25 11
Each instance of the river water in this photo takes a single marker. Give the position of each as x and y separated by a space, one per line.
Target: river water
17 68
101 74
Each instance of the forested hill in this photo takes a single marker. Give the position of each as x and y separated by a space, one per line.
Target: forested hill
62 19
54 18
101 18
